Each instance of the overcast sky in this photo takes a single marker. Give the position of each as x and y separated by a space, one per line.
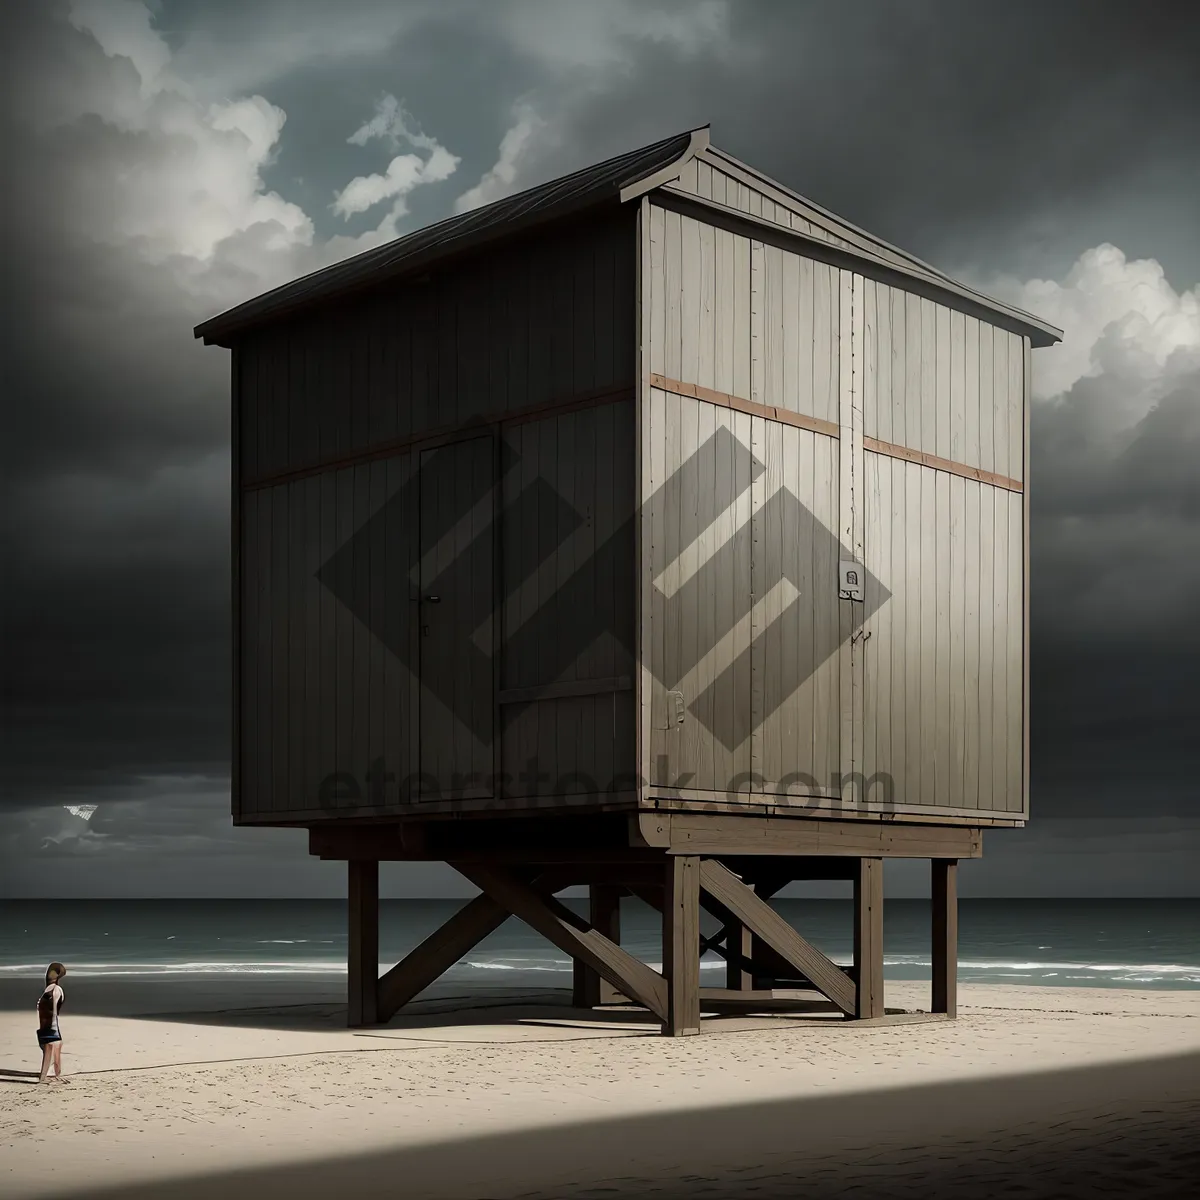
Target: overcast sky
167 160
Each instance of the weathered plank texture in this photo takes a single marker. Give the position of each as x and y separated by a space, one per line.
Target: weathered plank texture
950 385
523 325
922 480
943 696
568 600
359 691
739 317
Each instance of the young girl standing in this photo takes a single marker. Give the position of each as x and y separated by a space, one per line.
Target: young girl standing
49 1034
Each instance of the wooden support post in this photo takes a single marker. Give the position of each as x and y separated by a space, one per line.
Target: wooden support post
740 976
570 933
868 937
730 897
604 915
944 894
681 945
363 957
739 947
438 953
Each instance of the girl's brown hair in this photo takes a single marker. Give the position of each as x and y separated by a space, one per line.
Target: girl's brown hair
54 972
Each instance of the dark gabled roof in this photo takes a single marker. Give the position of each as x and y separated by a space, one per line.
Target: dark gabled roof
616 180
585 189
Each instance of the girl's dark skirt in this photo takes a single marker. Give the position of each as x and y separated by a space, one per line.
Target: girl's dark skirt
46 1036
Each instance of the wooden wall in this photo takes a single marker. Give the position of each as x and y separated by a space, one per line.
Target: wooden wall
712 175
828 410
742 579
343 527
943 691
534 323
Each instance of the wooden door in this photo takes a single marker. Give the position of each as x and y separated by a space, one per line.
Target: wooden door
457 619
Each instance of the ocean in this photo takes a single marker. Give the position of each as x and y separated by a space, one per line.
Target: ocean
1092 943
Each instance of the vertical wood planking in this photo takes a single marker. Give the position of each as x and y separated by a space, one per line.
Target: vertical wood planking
971 415
1000 401
960 539
971 642
401 694
827 728
805 338
847 648
862 330
672 294
724 320
689 299
707 334
649 287
987 616
929 633
1014 636
898 607
1016 406
798 754
899 368
363 641
280 699
250 794
943 686
942 377
987 453
314 698
761 438
757 321
654 522
958 414
1025 549
790 393
915 713
874 548
741 316
824 397
328 622
1000 692
298 595
341 639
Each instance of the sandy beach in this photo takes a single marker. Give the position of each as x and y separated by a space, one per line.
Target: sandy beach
1031 1092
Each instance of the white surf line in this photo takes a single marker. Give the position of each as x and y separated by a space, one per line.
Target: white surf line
766 609
701 548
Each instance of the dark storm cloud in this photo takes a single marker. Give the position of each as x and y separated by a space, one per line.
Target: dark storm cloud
997 140
1017 134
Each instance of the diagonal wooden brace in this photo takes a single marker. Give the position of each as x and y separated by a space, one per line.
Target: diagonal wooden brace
766 924
571 934
438 953
452 942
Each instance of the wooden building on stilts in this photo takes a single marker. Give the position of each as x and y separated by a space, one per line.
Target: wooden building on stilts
653 530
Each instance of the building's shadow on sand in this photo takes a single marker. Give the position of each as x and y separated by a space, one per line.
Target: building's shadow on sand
1125 1129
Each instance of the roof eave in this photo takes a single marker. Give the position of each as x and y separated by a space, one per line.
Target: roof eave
221 329
1041 333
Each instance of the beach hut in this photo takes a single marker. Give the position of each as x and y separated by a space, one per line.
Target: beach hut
653 530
